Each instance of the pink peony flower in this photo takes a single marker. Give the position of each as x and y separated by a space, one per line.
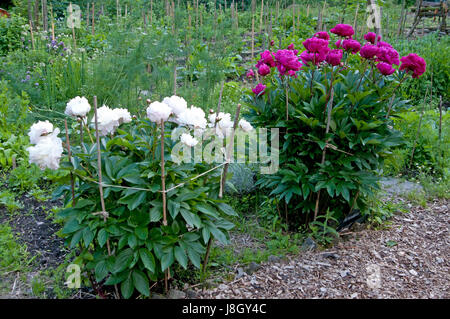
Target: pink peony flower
385 68
351 45
343 30
369 51
384 44
371 37
292 73
259 89
322 35
250 74
315 58
291 46
272 43
334 57
338 43
263 70
413 62
266 58
306 57
315 45
388 55
287 60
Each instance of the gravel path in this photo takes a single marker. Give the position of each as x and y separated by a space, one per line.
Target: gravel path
410 259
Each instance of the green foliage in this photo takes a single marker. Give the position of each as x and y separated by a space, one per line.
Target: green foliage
430 154
13 256
434 50
8 200
11 30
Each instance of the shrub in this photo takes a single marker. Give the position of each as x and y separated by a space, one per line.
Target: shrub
335 128
129 240
11 30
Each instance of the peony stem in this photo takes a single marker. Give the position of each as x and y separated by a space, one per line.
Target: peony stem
100 186
330 107
287 100
362 75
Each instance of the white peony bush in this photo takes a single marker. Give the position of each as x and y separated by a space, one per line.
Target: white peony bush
47 152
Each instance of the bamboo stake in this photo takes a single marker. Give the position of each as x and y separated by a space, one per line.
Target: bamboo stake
53 24
32 36
36 14
100 186
72 184
30 13
93 18
87 15
44 15
418 129
253 37
330 107
440 128
175 77
261 16
151 12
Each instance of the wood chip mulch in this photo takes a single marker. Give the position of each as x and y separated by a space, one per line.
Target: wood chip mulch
409 259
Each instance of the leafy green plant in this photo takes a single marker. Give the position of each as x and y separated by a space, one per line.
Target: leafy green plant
322 231
334 135
8 200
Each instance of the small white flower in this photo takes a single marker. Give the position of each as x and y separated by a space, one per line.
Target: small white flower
245 125
47 152
39 130
224 127
194 117
108 121
176 103
158 112
78 106
123 114
188 140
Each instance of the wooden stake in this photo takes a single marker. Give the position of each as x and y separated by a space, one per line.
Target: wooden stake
32 36
261 16
93 18
72 183
87 15
418 129
100 185
229 151
330 107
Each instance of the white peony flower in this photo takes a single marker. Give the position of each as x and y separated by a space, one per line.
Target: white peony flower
123 114
223 124
158 112
78 106
176 103
193 116
188 140
47 152
39 130
108 121
245 125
